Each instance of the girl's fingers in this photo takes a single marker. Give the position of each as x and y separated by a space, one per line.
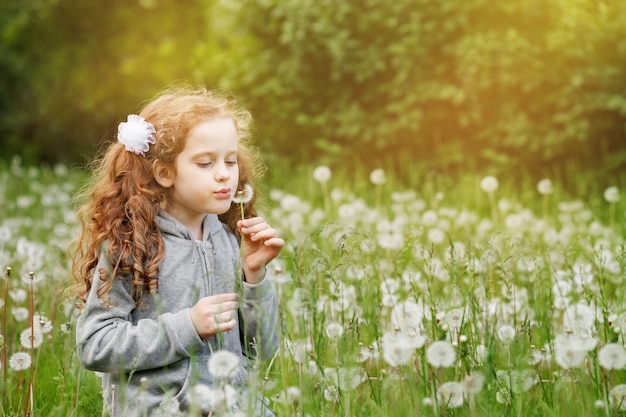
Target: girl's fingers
275 242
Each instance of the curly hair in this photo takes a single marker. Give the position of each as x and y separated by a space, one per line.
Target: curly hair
119 205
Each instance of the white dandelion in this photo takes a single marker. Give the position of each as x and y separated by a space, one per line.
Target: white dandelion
18 295
334 330
377 177
223 364
396 350
331 394
31 338
42 323
612 356
198 396
322 174
244 195
223 398
19 313
450 394
20 361
579 317
441 354
611 195
289 396
568 357
31 278
506 333
544 187
473 383
407 315
489 184
518 381
617 396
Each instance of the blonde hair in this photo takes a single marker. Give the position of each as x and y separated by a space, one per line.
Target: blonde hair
122 200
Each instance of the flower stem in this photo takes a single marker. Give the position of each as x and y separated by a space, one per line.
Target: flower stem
7 277
239 275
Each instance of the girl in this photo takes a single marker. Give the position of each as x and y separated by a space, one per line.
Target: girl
159 255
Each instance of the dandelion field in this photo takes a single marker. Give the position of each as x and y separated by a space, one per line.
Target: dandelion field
466 297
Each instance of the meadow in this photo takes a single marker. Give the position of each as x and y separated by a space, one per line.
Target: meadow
466 296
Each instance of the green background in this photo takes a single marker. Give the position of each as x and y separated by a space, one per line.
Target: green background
456 84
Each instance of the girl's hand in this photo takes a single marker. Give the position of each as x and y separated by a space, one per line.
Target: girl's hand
260 245
215 314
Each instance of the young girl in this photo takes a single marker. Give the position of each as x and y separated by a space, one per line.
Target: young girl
159 255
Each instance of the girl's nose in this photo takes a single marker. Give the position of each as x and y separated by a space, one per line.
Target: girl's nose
222 173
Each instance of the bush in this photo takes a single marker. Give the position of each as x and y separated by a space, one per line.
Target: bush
454 81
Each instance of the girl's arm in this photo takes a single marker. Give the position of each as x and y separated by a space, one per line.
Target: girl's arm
259 326
108 341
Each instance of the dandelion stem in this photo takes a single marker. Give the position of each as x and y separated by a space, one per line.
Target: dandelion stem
31 296
239 276
7 276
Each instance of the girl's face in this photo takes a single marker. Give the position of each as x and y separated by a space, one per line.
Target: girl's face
205 174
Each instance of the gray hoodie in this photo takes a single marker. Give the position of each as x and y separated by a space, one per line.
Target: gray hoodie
152 349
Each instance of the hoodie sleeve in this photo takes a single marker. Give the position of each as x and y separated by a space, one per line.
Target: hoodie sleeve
259 327
108 341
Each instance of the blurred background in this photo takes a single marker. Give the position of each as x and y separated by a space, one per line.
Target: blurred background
531 85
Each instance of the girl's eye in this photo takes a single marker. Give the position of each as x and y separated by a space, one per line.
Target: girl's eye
204 164
231 163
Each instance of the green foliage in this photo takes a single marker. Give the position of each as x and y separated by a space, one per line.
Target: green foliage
454 81
457 83
73 69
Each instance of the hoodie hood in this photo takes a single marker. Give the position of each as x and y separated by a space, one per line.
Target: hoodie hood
169 225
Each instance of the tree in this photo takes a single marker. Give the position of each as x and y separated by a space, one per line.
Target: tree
529 82
72 70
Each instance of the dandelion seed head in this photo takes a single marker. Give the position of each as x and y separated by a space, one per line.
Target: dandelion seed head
489 184
436 236
198 396
611 194
223 364
544 187
503 396
568 357
18 295
331 394
395 349
506 333
244 195
300 350
223 398
322 174
473 383
20 361
441 354
579 318
617 396
377 177
289 396
31 338
42 323
19 313
612 356
450 394
407 315
334 330
31 278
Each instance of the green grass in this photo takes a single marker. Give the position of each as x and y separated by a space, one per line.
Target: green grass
499 279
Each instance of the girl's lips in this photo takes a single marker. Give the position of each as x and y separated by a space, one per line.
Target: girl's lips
223 194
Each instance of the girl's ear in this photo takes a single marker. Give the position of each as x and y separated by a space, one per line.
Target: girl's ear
163 174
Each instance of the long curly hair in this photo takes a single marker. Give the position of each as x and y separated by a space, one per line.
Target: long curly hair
119 205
